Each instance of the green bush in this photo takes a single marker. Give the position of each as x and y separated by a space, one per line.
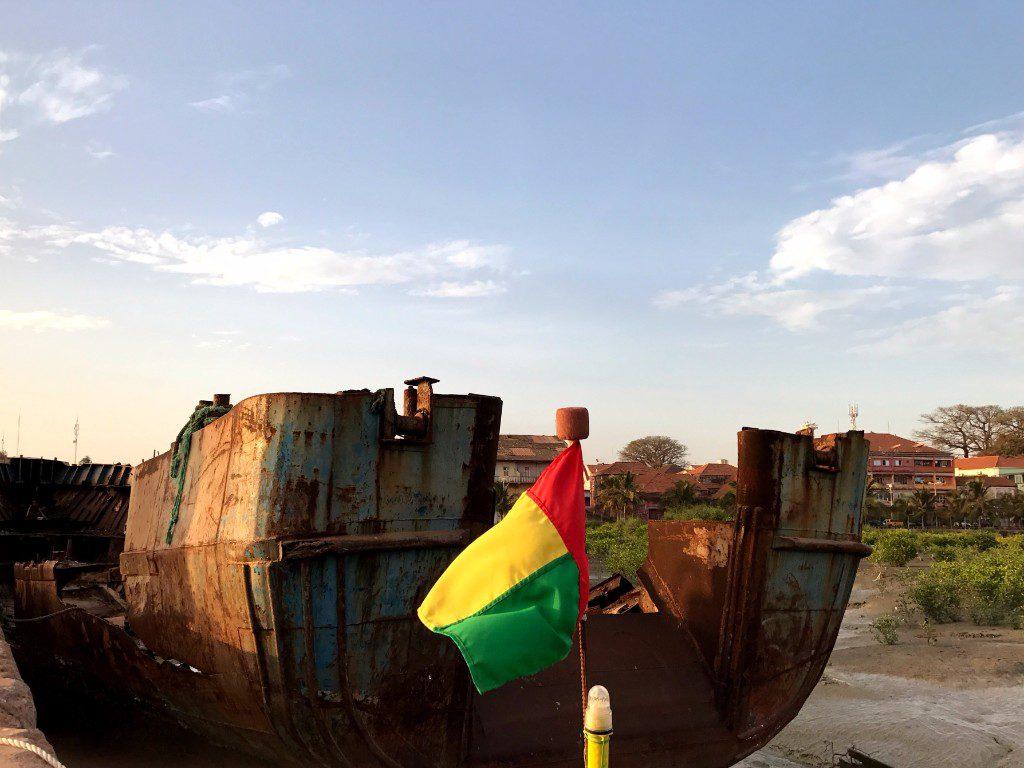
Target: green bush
897 547
621 545
944 553
870 535
980 540
883 629
700 512
987 587
937 593
935 541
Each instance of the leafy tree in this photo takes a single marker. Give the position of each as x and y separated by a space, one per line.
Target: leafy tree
899 510
975 491
503 500
654 451
962 428
875 510
957 507
728 499
682 494
1010 440
619 494
922 506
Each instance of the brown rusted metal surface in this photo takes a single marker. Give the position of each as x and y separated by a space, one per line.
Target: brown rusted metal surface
281 616
51 508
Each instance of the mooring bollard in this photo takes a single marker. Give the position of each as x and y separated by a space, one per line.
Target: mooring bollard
597 728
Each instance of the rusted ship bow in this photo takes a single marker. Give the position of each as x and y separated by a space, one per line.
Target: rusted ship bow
277 611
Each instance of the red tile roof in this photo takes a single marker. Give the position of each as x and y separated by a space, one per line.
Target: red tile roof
650 480
988 481
718 469
884 443
535 448
990 462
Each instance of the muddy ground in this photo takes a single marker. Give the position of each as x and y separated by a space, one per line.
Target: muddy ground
949 695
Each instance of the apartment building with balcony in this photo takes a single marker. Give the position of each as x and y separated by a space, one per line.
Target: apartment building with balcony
898 466
521 459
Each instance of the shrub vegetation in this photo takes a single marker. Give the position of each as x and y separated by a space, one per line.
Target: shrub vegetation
976 575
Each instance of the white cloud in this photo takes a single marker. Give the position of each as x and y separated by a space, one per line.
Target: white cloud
954 215
449 289
6 134
45 320
222 104
987 323
249 261
959 219
65 88
241 89
269 219
98 153
796 309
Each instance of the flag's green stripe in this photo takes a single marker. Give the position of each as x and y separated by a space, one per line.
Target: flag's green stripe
529 628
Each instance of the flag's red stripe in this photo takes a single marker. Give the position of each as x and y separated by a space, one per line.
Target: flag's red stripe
559 493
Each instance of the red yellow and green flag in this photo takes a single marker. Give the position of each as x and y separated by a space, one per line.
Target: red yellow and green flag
511 600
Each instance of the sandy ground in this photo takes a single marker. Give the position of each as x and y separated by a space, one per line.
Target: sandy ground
951 696
946 695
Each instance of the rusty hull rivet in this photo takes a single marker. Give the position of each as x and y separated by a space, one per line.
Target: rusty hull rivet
572 423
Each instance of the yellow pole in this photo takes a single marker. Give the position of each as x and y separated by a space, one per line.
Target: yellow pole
597 728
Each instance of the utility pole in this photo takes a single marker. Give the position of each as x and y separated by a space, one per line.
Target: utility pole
76 440
17 444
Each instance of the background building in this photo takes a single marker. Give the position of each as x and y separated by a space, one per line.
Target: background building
898 466
1011 467
714 481
651 482
521 459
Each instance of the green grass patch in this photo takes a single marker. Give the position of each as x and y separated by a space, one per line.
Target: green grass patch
708 512
621 545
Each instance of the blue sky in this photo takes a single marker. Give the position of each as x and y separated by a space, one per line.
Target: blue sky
689 217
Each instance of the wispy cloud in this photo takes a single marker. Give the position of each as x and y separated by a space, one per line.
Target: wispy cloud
100 153
987 322
46 320
57 88
954 215
455 290
65 88
796 309
239 91
250 261
222 104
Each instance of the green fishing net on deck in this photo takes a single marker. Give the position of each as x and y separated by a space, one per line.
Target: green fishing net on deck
205 413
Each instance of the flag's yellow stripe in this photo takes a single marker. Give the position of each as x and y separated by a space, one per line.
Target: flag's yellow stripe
522 542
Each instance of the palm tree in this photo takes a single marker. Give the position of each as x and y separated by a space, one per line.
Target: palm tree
899 510
956 507
620 494
503 500
976 491
682 494
922 506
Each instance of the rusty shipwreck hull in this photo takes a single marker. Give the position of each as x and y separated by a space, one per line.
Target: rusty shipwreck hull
281 616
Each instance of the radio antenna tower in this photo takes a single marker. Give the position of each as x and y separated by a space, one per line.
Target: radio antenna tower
854 413
75 441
